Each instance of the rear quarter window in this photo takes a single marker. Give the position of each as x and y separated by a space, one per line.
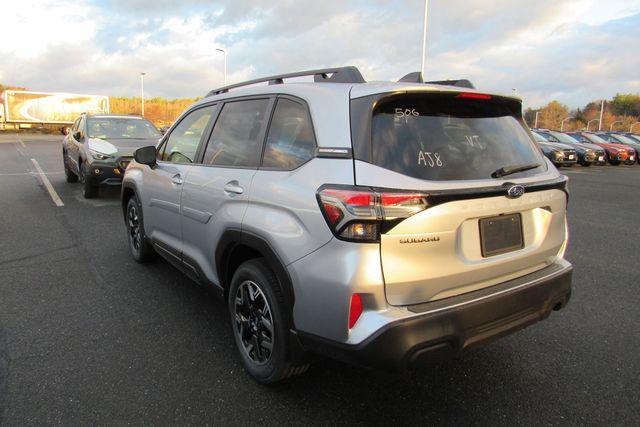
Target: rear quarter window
290 141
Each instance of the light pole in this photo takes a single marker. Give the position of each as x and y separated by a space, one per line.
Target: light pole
601 114
424 38
612 124
535 125
632 125
142 91
225 64
562 123
589 122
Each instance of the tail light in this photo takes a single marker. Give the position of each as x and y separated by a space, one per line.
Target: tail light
361 214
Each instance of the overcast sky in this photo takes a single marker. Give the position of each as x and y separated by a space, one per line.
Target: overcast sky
570 50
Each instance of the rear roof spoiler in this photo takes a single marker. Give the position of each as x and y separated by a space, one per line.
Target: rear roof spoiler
416 77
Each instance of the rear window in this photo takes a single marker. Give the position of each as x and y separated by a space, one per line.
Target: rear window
445 137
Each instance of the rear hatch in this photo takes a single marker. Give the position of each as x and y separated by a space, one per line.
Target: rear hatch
477 225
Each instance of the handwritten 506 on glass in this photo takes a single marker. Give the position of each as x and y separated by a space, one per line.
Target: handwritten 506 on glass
406 113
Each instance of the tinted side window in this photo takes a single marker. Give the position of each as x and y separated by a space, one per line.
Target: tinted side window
235 140
290 142
182 143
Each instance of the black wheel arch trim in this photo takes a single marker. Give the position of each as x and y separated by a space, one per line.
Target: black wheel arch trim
127 186
234 237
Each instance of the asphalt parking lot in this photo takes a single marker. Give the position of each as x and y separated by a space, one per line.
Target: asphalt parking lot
88 336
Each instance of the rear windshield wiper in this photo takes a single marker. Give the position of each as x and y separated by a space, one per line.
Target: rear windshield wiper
508 170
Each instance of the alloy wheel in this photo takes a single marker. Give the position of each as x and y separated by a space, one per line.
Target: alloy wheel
253 322
134 226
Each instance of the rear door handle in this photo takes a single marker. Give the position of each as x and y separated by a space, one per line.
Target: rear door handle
233 187
177 179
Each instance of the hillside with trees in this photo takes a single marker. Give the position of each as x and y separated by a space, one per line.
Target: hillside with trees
620 113
160 111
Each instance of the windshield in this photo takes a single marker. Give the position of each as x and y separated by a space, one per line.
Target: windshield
625 139
594 138
539 138
563 137
121 128
441 137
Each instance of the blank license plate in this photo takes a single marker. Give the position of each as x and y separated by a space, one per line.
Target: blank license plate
501 234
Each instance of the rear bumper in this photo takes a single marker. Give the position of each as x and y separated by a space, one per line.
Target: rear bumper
444 328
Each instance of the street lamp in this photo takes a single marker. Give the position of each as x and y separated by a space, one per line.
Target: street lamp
424 38
562 123
612 124
225 63
589 122
632 125
142 91
535 125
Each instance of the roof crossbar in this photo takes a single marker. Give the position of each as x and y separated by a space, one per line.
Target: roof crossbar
348 74
416 77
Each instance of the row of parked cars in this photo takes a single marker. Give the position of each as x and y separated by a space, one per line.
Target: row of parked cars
587 148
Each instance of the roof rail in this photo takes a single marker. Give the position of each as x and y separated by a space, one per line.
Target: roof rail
416 77
348 74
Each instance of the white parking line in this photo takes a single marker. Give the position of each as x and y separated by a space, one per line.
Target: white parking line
29 173
22 143
47 184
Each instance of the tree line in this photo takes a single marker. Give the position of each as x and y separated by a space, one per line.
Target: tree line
620 113
160 111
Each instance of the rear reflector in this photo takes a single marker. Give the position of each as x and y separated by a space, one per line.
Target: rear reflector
355 309
472 95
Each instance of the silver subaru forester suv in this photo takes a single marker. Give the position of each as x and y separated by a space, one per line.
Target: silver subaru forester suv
383 224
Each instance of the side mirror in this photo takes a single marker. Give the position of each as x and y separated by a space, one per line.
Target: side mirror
65 130
79 136
146 155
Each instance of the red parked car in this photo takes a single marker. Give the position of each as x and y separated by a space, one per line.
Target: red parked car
616 153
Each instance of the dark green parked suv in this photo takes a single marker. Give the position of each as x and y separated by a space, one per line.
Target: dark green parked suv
98 148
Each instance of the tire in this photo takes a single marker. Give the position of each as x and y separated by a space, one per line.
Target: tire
614 162
586 164
139 246
260 324
68 173
89 189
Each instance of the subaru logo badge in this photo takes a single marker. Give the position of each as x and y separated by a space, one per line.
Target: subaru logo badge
515 191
